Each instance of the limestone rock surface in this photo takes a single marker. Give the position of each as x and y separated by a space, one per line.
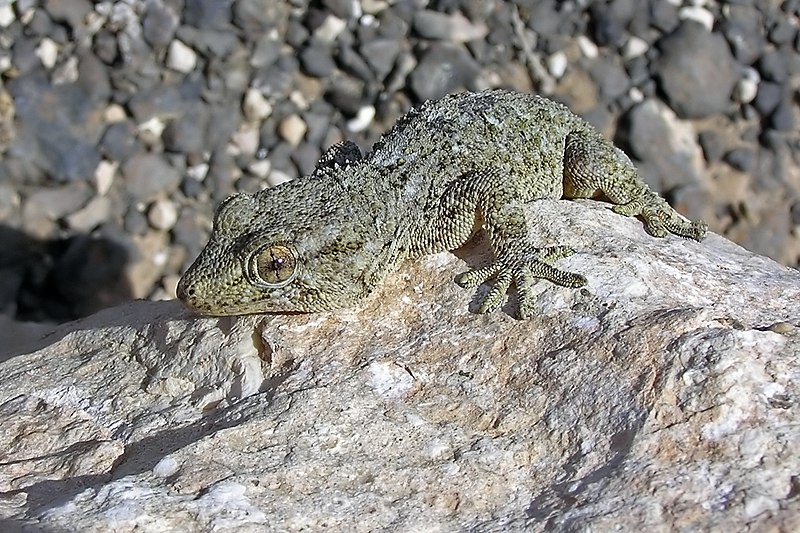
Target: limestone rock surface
662 396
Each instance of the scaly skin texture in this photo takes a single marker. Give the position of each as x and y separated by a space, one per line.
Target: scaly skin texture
327 240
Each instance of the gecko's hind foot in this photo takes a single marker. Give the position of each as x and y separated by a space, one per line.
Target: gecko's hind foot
521 268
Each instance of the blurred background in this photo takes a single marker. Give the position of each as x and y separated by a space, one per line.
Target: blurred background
123 124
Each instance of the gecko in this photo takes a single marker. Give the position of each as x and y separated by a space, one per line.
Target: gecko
444 171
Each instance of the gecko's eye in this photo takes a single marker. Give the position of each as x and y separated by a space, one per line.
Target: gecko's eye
273 265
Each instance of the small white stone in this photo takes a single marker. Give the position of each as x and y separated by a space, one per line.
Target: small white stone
329 30
260 168
557 64
362 120
47 52
114 113
255 106
150 131
162 214
292 129
91 215
246 139
104 176
6 15
181 57
276 177
588 48
636 95
198 171
634 47
745 91
698 14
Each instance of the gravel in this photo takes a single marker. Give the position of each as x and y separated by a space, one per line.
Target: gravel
123 124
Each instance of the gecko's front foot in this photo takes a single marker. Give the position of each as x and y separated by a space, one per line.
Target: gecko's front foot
522 268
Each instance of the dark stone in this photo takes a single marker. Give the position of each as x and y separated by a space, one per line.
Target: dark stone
317 60
711 142
353 63
159 25
149 175
696 71
207 14
187 133
381 54
743 29
57 127
768 97
609 20
664 16
119 142
773 66
105 47
442 69
610 77
782 119
740 159
346 94
305 157
782 32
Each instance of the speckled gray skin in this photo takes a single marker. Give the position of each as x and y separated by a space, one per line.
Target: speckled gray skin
327 240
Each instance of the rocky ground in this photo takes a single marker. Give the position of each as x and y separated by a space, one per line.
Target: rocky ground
123 124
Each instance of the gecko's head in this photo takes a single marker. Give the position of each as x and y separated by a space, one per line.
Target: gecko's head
282 250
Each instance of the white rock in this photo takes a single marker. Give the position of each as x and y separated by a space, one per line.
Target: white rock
97 211
588 48
292 129
276 177
746 88
247 138
47 52
162 214
260 168
634 47
413 414
104 176
181 57
150 130
7 15
698 14
114 113
329 30
362 120
255 107
557 64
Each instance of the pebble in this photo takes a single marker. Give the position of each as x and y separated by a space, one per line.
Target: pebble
148 175
330 29
696 71
740 159
181 57
454 27
247 139
746 88
91 215
634 47
47 52
697 14
162 214
292 129
557 64
260 168
254 106
443 68
104 176
362 120
7 15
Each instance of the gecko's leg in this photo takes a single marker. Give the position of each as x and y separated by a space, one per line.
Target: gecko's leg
592 164
517 260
